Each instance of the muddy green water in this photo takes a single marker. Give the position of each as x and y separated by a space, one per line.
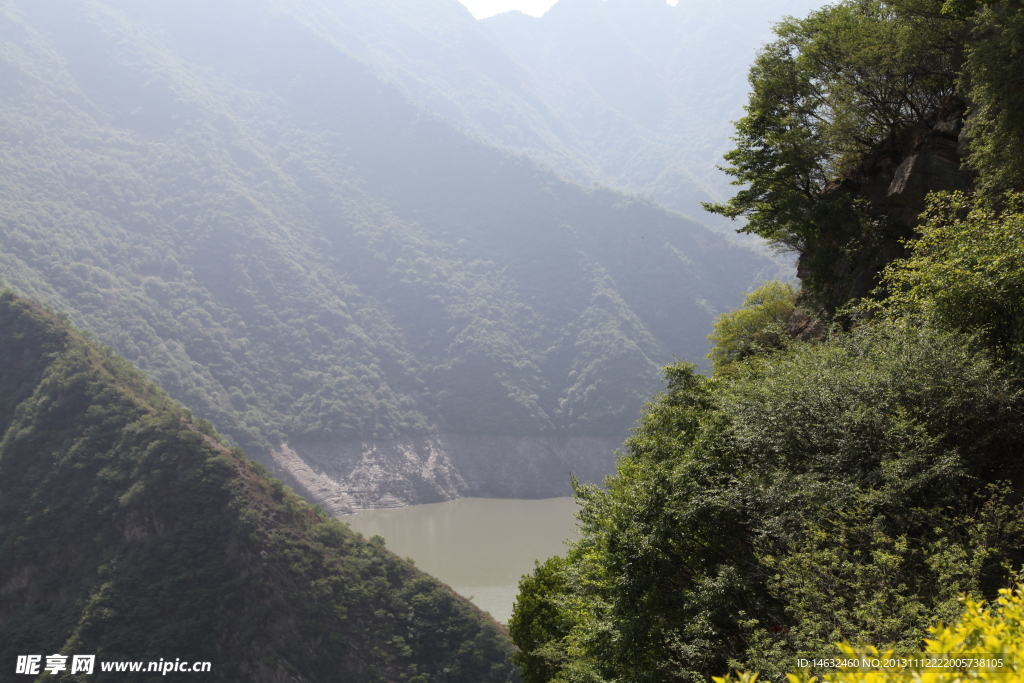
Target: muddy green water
478 546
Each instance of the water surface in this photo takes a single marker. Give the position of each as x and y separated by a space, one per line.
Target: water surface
478 546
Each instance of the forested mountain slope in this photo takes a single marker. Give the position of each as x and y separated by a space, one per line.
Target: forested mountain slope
129 532
299 252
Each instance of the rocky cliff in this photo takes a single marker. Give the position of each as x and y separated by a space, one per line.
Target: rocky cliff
891 182
347 476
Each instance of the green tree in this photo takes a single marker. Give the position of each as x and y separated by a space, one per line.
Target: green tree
966 271
850 577
832 87
700 550
995 62
760 326
539 622
842 83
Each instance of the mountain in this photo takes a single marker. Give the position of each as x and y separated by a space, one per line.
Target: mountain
128 531
647 90
637 95
381 306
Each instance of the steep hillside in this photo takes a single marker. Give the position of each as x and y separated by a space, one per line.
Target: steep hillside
301 254
128 531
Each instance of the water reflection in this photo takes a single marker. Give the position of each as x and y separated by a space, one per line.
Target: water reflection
478 546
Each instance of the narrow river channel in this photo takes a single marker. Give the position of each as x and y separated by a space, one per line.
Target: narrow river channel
478 546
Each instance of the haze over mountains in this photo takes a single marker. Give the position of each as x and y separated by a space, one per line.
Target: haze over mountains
263 206
648 90
634 94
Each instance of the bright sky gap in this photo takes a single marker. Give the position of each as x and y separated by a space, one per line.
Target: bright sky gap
482 9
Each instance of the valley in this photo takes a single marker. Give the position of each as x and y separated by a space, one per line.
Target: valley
298 251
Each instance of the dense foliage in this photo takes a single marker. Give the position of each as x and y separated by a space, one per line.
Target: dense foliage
832 87
985 644
967 271
850 485
854 115
760 326
756 516
129 531
992 73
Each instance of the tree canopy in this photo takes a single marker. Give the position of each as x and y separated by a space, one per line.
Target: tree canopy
752 516
760 326
833 87
966 271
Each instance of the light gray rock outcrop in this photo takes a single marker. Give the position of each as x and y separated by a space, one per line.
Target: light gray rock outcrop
347 476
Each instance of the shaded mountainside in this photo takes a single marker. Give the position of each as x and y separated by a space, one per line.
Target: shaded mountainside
127 530
300 253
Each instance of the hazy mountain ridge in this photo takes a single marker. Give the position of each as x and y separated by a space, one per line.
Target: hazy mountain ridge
634 94
648 89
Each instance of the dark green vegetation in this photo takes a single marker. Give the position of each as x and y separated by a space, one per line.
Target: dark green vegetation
854 116
854 464
293 248
129 531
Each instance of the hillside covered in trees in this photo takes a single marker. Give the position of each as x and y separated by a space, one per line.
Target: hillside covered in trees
129 531
295 248
853 465
634 94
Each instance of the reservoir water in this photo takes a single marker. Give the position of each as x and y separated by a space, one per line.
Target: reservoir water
478 546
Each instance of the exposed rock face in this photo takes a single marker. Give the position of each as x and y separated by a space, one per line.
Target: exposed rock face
932 164
802 326
347 476
895 180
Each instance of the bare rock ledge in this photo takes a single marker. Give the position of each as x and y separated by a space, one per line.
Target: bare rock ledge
346 476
